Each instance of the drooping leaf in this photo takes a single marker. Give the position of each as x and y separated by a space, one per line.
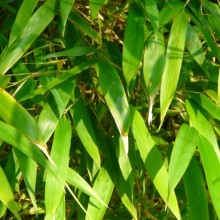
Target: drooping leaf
83 25
104 187
65 8
6 194
77 181
152 160
25 11
154 56
209 151
153 14
76 51
54 108
95 6
54 190
174 56
194 185
35 25
182 153
84 128
115 97
133 41
194 45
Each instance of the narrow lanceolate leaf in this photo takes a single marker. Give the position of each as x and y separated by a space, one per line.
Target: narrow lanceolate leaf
219 87
54 108
28 168
173 62
95 6
209 151
153 161
182 153
83 25
77 181
152 14
6 194
115 97
13 137
84 128
14 114
74 52
207 104
194 45
194 185
104 187
65 8
199 121
60 154
133 41
23 15
35 25
154 56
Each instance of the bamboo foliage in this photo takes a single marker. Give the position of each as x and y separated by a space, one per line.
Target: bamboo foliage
109 109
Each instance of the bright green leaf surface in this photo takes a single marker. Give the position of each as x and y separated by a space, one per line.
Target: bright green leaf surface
183 150
174 56
6 194
84 128
61 146
115 97
153 161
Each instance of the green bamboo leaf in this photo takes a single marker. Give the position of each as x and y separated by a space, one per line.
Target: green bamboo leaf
115 97
194 45
77 181
54 108
153 14
218 88
84 128
14 114
194 185
173 62
82 24
74 52
169 11
199 121
65 8
58 80
153 160
182 153
209 151
35 25
54 190
13 137
133 45
25 11
207 104
95 6
28 168
211 164
104 187
6 194
60 212
154 56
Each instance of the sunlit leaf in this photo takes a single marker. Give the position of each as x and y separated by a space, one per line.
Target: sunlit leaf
115 97
174 56
61 146
84 128
153 160
6 194
182 153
